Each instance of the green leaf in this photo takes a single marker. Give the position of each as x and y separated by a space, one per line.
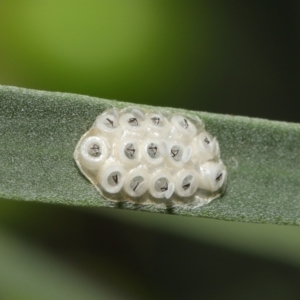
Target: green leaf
39 131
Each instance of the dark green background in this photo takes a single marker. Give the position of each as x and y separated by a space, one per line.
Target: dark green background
233 57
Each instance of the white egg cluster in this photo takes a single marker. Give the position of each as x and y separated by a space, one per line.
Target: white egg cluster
149 156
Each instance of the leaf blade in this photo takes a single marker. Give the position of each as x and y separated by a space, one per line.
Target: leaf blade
39 131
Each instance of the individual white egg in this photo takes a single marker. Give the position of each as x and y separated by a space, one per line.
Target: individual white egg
186 182
128 150
212 175
93 151
137 182
184 126
133 121
153 151
161 184
157 124
112 178
206 147
175 154
108 121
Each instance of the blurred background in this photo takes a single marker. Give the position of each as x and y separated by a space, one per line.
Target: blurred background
233 57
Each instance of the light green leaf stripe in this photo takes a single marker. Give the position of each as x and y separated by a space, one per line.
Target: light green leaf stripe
39 131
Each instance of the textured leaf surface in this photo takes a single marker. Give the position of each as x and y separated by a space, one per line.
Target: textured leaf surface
39 131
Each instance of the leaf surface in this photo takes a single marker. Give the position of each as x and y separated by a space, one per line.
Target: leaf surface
39 131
